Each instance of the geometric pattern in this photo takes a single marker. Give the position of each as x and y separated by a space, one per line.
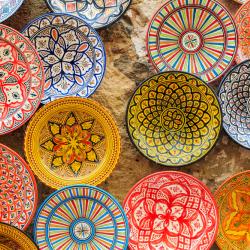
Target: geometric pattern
81 217
197 37
174 118
8 8
171 210
96 13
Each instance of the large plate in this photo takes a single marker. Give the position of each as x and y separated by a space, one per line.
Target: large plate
81 217
198 37
8 8
171 210
21 77
233 199
73 55
174 118
72 140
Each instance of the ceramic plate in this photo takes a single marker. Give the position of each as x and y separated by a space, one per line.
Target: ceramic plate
171 210
234 97
198 38
81 217
233 199
8 8
96 13
174 118
242 19
21 77
72 141
72 52
18 190
241 1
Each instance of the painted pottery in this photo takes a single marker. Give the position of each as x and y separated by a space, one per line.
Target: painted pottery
241 1
8 8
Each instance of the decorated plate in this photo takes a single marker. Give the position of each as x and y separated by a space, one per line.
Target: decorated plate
72 141
198 37
171 210
18 190
21 78
174 118
96 13
241 1
234 97
8 8
72 52
233 199
242 19
81 217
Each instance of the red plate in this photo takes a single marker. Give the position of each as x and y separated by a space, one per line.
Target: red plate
171 210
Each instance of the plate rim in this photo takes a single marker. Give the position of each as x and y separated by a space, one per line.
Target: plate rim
13 12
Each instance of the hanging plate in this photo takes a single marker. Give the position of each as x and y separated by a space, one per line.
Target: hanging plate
8 8
72 52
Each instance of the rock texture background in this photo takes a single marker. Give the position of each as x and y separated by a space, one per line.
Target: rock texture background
127 66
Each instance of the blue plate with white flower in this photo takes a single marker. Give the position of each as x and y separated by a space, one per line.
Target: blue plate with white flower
72 52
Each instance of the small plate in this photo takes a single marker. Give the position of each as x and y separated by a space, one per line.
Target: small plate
21 77
242 19
72 52
174 118
72 140
197 37
81 217
171 210
18 190
96 13
233 199
234 97
8 8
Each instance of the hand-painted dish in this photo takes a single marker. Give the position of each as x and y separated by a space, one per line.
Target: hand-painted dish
81 217
241 1
21 78
174 118
18 190
72 140
234 97
72 52
171 210
96 13
8 8
12 238
197 37
233 199
242 19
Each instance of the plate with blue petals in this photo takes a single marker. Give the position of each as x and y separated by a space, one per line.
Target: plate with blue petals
8 8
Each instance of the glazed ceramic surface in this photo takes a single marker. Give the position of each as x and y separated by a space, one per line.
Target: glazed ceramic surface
198 38
8 8
234 96
81 217
18 190
242 19
21 78
72 52
241 1
233 199
174 118
72 141
171 210
97 13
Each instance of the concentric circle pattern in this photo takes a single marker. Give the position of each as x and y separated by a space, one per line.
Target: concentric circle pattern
198 37
234 95
171 210
174 118
81 217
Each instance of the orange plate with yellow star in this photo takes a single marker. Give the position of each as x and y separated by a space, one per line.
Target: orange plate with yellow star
72 141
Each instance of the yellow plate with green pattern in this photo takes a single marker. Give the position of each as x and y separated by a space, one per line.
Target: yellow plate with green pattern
174 118
72 141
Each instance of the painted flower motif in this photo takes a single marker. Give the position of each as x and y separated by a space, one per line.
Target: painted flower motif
3 74
6 54
13 94
172 120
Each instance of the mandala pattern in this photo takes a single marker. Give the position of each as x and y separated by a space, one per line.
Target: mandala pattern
198 37
72 52
174 118
97 13
21 80
8 8
171 210
234 96
233 199
72 140
81 217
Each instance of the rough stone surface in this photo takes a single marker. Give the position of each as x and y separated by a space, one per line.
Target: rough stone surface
127 66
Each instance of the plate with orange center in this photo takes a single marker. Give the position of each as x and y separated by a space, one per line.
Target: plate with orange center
72 141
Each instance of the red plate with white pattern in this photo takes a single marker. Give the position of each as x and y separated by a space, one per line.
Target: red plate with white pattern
171 210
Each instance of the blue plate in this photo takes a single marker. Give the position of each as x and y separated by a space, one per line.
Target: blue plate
8 8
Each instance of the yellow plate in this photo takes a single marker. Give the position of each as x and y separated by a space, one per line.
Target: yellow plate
72 141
